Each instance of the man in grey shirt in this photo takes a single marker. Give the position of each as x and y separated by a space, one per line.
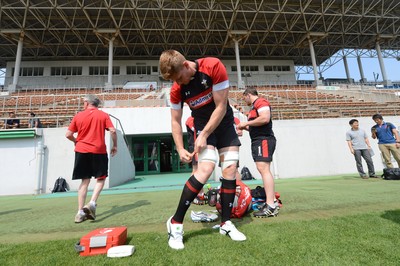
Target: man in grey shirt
359 146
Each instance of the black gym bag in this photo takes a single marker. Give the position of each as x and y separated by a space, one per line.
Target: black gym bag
391 174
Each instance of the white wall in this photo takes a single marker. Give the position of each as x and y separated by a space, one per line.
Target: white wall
308 147
18 159
318 147
20 163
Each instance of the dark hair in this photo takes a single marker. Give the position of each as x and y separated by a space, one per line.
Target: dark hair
32 114
351 122
250 90
377 116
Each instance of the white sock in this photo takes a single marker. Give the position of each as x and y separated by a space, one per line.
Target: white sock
81 212
93 203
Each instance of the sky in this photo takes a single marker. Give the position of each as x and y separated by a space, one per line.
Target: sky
370 66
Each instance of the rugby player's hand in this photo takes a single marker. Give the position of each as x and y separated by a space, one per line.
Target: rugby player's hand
200 144
185 156
242 125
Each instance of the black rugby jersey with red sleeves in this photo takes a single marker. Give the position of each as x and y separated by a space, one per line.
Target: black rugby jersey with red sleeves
259 105
210 76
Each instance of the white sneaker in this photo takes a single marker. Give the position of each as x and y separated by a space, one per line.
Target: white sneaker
175 235
203 217
90 211
80 217
229 229
276 203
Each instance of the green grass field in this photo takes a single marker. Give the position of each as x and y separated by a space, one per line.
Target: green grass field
341 220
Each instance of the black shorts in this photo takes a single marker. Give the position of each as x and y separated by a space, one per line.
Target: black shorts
262 149
223 136
90 164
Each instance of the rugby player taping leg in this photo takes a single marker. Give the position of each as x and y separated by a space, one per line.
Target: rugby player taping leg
208 155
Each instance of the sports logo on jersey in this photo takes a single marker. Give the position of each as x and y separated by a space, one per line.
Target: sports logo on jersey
204 83
201 101
187 93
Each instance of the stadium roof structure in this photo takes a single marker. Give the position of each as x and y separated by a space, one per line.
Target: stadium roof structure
142 29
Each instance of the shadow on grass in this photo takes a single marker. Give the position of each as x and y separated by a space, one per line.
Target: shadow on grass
118 209
194 233
393 215
128 239
11 211
351 177
134 181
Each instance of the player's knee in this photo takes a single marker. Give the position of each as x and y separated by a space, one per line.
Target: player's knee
204 170
207 155
230 159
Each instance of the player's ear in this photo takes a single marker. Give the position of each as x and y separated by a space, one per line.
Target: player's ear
186 64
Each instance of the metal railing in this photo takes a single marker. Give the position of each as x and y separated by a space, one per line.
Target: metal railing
124 135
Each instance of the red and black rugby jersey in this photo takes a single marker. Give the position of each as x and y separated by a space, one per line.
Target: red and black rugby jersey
210 76
259 105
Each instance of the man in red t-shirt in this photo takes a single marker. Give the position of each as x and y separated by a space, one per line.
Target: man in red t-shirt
90 153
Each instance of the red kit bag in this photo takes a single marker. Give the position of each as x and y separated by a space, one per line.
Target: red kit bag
241 204
99 241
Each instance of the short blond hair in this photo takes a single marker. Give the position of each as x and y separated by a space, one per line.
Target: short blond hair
171 62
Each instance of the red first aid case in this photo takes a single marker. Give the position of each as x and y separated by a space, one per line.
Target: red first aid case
99 241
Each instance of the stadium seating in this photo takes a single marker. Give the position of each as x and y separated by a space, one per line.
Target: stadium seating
303 102
56 107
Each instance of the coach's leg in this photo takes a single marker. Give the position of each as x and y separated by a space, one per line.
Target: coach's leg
366 154
97 189
82 192
396 153
357 156
90 209
386 155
